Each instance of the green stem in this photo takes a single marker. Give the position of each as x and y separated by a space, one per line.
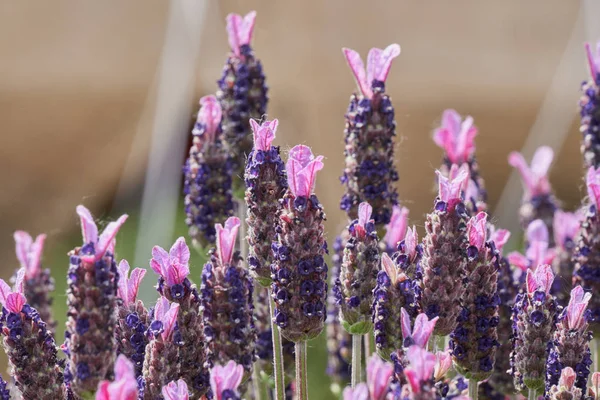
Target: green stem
277 354
367 339
301 375
532 395
261 391
356 359
473 388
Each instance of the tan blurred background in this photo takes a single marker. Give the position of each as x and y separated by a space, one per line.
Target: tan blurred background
80 81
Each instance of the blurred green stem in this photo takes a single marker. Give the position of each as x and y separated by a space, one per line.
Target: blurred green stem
301 372
356 359
532 395
277 354
473 388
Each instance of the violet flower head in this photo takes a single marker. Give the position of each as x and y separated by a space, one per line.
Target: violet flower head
133 317
242 91
208 174
299 272
446 228
588 110
225 380
395 230
534 322
358 274
369 174
176 391
565 388
227 307
538 200
266 182
90 340
124 386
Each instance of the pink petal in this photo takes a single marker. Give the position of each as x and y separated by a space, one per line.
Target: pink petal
567 378
15 302
175 391
566 225
133 284
476 228
544 277
89 229
450 189
233 32
541 161
591 61
247 28
156 267
423 329
531 282
421 362
396 229
180 252
210 116
124 368
384 62
464 140
309 175
410 242
233 376
518 260
593 185
446 134
537 253
500 237
264 134
389 267
108 235
160 260
302 167
576 308
379 374
169 320
5 290
405 324
444 187
364 213
226 238
301 153
102 392
596 383
161 308
537 231
23 244
443 363
413 379
293 167
123 288
19 286
517 160
176 273
358 70
35 256
360 392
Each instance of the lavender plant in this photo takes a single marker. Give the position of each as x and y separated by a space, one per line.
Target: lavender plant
588 110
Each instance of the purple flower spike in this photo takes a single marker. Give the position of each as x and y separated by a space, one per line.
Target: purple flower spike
226 238
422 330
395 231
128 287
379 375
209 119
456 137
225 381
124 386
103 243
173 266
420 371
379 63
264 134
239 30
13 299
302 168
176 391
29 253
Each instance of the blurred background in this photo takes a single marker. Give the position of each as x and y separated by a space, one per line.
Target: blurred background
97 100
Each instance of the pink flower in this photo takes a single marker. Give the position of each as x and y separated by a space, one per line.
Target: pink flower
103 243
422 364
128 287
364 216
421 331
499 237
596 385
166 313
209 117
537 232
302 169
538 252
535 177
593 59
396 229
387 264
567 378
264 134
477 230
576 308
593 185
224 378
379 374
379 62
443 363
541 279
449 189
124 387
566 225
13 299
226 239
360 392
172 266
239 30
176 391
411 241
456 137
29 253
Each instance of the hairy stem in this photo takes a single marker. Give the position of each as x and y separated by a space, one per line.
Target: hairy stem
356 359
473 388
367 339
277 354
532 395
301 372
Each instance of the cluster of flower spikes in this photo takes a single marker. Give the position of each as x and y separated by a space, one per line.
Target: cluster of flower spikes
538 200
227 306
444 255
358 274
565 388
395 291
475 338
587 250
133 317
457 138
208 173
588 109
173 269
395 230
90 341
378 382
369 174
29 345
241 92
534 322
266 183
164 351
570 345
566 227
299 272
38 284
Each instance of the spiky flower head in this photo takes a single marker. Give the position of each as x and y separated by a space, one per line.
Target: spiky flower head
534 322
588 110
90 339
225 380
444 255
538 200
266 182
299 271
241 92
227 307
207 175
358 274
369 174
176 391
124 386
395 230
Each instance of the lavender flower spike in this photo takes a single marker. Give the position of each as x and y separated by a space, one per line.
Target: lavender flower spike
566 228
369 174
173 283
163 353
570 346
207 175
299 271
358 275
124 386
266 182
534 321
176 391
565 388
90 340
444 270
224 381
226 296
538 200
39 284
133 317
29 345
395 230
588 110
242 91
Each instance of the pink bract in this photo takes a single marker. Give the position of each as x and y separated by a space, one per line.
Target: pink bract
103 243
263 134
302 168
29 252
226 237
239 30
379 62
124 387
396 229
456 137
209 117
535 176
